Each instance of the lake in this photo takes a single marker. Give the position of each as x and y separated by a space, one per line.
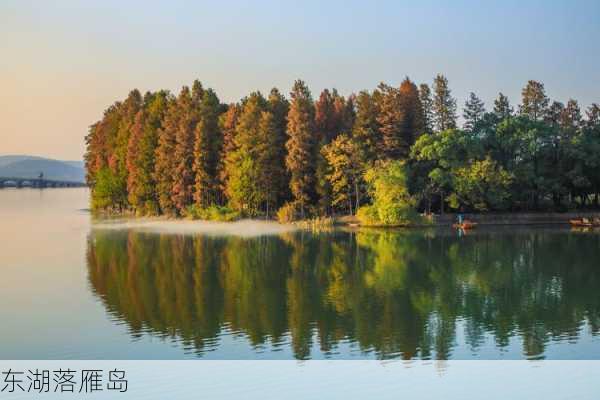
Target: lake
72 288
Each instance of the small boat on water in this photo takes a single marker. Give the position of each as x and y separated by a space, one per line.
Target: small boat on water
465 225
582 223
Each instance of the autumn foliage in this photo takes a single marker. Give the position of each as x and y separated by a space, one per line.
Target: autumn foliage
191 155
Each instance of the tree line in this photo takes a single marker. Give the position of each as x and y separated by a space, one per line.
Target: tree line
378 153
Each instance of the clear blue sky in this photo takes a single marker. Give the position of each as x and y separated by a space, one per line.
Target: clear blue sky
63 62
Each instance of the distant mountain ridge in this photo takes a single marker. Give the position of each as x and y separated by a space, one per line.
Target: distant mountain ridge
24 166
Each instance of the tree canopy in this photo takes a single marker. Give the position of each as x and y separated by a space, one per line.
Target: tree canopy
160 153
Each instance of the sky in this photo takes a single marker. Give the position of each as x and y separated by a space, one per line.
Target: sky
63 62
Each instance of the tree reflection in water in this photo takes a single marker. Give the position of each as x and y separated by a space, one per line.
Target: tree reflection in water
392 293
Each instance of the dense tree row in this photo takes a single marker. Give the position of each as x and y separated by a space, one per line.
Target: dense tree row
179 155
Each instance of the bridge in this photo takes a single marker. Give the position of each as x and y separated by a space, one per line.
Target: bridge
39 183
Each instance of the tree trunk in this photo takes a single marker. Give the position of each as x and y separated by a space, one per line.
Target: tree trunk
357 194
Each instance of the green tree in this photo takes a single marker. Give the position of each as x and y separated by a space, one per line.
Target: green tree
109 192
244 164
444 105
502 107
473 113
392 202
427 104
272 170
389 119
100 142
366 132
227 125
141 154
207 147
439 154
279 107
482 185
345 172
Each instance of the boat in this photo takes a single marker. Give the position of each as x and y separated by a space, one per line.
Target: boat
581 223
466 224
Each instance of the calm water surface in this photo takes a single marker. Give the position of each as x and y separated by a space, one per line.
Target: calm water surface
70 288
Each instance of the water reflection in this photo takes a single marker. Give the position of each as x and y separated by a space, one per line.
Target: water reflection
390 293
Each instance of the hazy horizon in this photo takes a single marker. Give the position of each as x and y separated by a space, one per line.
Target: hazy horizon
64 63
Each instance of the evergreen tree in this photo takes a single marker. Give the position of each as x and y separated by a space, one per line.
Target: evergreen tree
389 119
345 172
129 109
133 168
412 122
593 116
271 168
400 118
366 128
444 105
165 160
473 113
184 179
344 112
300 160
207 149
227 125
327 123
534 101
331 117
553 113
244 164
141 185
502 107
118 160
279 107
571 119
427 104
100 142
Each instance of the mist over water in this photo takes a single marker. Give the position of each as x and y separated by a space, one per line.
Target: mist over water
77 288
245 228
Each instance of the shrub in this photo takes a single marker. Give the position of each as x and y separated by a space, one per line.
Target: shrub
288 213
367 215
392 203
212 213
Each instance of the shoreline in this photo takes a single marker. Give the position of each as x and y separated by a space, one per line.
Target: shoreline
446 220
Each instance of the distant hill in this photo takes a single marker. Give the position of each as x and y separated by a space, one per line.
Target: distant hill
17 166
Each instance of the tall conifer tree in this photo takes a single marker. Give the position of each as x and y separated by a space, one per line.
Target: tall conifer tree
300 160
388 119
427 104
184 179
473 113
227 124
165 161
502 107
534 102
412 122
279 107
444 105
207 147
366 128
